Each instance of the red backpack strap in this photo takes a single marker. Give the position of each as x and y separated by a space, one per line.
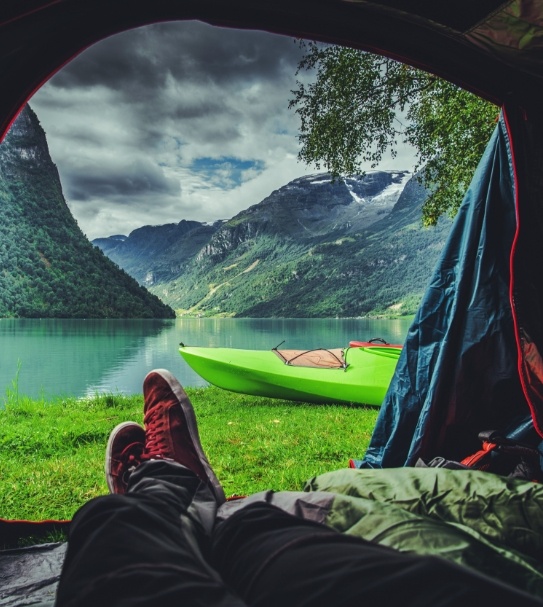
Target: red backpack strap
507 457
474 460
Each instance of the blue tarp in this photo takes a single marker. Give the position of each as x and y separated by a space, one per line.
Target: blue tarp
458 372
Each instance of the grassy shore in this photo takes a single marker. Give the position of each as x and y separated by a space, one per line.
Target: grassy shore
52 452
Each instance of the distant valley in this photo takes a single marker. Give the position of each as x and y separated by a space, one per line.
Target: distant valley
313 248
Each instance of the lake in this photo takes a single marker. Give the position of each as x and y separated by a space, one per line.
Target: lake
58 357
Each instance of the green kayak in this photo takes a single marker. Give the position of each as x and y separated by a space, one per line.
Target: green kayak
344 375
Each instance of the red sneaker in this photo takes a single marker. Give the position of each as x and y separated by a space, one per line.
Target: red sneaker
123 453
170 428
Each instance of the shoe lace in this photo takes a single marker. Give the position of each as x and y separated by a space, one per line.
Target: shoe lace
156 445
130 458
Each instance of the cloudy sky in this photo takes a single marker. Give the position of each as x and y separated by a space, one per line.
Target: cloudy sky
174 121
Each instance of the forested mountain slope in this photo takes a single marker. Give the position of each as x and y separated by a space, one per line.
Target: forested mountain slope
48 267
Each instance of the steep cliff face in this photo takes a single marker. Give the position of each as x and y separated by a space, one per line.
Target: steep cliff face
29 180
229 238
25 148
49 268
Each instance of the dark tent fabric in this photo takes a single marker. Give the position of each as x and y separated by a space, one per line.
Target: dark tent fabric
491 47
459 372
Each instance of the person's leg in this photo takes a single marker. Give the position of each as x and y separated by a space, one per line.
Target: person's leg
271 558
147 544
144 547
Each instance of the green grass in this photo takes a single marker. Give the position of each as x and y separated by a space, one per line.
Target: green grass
52 453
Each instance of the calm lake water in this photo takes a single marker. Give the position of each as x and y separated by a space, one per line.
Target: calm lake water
46 358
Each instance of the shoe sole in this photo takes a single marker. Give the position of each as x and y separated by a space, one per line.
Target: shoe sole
190 417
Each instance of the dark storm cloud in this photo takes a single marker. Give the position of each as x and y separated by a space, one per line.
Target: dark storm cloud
190 108
193 52
114 63
171 74
231 55
120 180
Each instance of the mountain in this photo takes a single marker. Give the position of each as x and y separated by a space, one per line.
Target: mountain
48 267
316 247
155 254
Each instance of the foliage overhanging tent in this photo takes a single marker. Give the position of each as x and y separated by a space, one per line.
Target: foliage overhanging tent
490 47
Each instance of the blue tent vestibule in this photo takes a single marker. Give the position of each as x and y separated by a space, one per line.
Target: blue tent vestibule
470 361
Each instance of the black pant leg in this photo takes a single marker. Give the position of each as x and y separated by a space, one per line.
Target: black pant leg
145 548
273 559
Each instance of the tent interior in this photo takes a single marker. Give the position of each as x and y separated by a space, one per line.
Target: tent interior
472 358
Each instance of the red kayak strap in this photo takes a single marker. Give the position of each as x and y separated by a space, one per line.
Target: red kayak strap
373 343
